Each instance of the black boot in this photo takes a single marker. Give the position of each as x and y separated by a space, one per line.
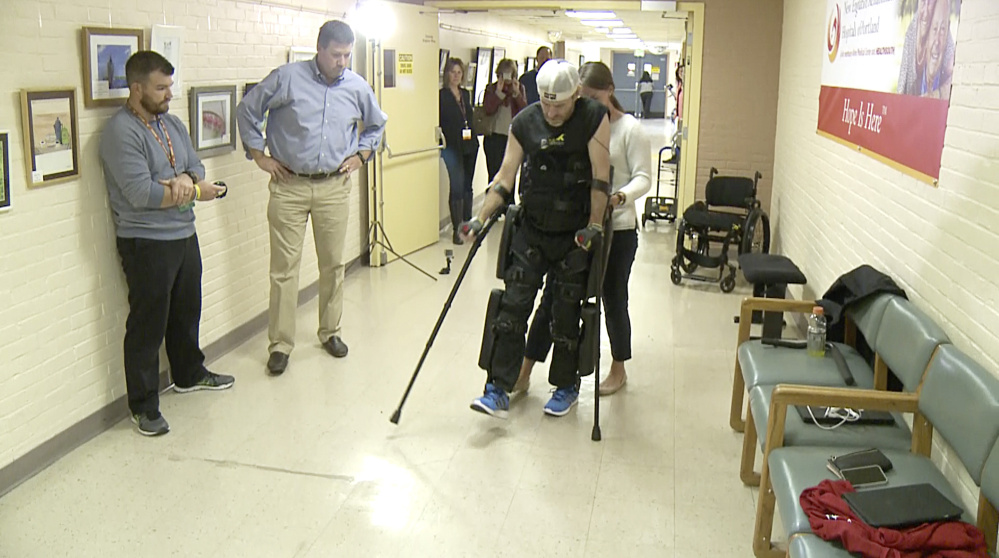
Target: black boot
457 209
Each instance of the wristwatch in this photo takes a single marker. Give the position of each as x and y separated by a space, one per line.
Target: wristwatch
622 197
194 177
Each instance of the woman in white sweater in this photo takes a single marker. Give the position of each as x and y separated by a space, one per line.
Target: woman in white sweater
631 159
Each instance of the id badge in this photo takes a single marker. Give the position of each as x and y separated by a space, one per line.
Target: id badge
466 133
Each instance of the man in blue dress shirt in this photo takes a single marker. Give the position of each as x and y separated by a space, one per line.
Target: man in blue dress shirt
323 124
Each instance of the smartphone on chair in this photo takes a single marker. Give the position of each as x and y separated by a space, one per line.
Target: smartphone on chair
868 475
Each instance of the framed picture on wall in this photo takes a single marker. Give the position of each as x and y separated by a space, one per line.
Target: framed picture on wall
582 60
4 170
444 54
105 52
168 40
300 54
213 122
483 72
469 80
499 53
51 139
529 63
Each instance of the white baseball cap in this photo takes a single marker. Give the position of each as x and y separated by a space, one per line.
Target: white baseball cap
558 81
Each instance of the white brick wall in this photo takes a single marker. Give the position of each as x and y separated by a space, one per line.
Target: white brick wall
834 208
63 299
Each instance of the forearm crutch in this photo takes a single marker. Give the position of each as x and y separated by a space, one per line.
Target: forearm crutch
447 306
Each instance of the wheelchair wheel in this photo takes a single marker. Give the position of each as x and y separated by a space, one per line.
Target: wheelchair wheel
727 284
756 235
674 276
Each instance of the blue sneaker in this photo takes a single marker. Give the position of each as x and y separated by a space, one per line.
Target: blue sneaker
562 400
494 402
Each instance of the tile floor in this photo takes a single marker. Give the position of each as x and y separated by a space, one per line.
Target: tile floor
307 465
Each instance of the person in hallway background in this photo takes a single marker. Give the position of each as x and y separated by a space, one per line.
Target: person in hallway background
461 145
153 177
562 142
645 92
315 108
631 159
503 99
530 79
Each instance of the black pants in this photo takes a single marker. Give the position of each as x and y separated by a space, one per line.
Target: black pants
164 301
646 104
615 298
494 145
536 254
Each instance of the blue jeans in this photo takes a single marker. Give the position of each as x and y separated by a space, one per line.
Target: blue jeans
460 170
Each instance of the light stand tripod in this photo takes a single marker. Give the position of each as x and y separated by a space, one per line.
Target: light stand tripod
377 237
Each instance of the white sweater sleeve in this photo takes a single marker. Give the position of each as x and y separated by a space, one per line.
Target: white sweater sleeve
631 157
639 155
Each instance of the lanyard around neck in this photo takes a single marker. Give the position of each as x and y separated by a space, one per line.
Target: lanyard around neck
168 148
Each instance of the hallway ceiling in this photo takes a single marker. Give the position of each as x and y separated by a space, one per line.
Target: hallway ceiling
651 27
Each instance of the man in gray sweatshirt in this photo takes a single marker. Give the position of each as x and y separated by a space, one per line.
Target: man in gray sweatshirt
153 177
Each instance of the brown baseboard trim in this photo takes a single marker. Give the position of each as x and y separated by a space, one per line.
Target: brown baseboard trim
53 449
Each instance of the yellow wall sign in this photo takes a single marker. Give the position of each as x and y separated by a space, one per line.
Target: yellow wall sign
405 63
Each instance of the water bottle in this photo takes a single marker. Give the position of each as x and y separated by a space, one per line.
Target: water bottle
817 333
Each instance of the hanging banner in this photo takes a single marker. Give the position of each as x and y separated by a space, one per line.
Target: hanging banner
886 79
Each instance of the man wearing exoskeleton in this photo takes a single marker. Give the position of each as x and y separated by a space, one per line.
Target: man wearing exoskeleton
563 144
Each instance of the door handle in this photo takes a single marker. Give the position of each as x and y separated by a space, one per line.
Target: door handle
437 132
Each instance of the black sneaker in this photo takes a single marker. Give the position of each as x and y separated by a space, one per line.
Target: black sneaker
211 381
151 423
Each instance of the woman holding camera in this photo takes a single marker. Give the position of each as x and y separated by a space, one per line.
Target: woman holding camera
503 99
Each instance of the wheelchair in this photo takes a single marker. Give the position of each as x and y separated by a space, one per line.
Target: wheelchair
730 214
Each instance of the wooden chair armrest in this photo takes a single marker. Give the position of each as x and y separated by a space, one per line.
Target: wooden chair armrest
870 399
785 395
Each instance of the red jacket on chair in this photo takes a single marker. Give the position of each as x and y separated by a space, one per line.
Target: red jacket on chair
832 519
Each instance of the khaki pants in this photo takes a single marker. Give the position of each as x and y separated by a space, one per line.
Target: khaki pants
291 204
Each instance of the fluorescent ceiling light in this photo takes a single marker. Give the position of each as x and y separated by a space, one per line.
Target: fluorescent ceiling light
602 29
622 36
602 22
624 30
591 15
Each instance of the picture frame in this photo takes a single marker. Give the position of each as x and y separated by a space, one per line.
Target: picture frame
105 51
168 40
50 126
469 81
445 54
4 170
263 126
483 73
499 53
300 54
213 119
530 63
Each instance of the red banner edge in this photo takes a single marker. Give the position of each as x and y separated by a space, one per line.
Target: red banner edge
920 176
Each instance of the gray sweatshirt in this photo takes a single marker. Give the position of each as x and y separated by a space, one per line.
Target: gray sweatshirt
134 162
